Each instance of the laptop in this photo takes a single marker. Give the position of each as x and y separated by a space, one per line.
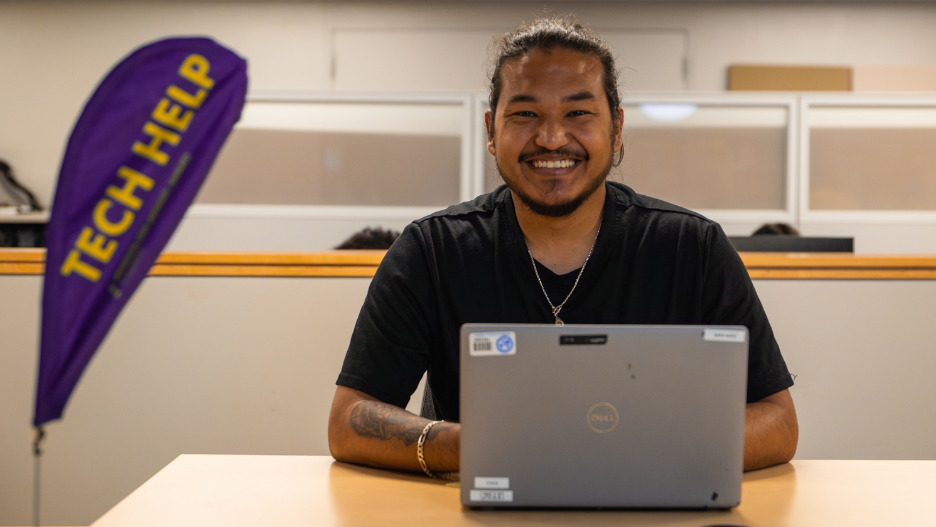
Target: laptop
602 416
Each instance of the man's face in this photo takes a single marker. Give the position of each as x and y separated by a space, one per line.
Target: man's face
553 135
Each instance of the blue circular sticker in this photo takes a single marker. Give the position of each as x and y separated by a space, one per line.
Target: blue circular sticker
505 344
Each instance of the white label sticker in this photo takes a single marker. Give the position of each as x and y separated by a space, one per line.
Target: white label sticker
724 335
492 495
492 483
490 344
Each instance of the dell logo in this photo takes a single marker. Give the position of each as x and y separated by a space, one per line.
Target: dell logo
602 418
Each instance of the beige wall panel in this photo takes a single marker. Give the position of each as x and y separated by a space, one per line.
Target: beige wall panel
649 59
247 366
456 59
719 33
208 365
427 59
866 372
19 337
414 59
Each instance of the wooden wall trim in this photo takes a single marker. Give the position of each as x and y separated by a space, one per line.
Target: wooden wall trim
789 266
839 266
331 263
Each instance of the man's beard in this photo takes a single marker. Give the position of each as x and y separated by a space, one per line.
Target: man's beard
560 209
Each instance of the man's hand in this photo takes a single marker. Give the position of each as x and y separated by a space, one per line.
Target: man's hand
770 431
367 431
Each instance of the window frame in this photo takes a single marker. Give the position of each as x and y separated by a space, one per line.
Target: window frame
854 217
467 176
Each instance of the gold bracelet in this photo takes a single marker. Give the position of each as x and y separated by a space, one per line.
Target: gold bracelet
420 444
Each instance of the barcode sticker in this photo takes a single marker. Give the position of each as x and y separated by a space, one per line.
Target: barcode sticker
724 335
492 495
492 344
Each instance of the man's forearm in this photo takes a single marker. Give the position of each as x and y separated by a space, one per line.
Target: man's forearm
771 431
364 430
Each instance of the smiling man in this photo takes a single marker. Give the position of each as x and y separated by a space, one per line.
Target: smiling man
557 244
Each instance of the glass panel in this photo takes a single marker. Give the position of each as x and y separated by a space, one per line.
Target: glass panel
707 157
872 158
702 157
340 154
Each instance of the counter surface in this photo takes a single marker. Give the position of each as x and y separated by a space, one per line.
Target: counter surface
234 491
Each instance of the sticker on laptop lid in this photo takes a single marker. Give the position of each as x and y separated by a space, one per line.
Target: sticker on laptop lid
491 344
724 335
502 496
492 483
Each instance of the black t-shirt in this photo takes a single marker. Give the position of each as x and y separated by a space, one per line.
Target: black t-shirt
653 263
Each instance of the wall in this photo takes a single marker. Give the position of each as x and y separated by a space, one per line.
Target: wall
210 365
260 355
54 53
248 365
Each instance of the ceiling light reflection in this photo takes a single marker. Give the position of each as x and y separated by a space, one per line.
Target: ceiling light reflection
669 112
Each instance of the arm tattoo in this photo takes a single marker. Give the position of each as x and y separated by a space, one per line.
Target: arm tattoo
434 431
385 421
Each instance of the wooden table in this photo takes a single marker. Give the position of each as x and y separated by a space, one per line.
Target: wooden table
284 491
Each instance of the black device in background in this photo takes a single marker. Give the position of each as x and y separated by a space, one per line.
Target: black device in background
19 233
784 238
791 243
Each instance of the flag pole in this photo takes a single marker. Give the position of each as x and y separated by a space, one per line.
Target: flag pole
37 455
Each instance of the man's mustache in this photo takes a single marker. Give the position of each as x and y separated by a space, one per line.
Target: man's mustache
561 152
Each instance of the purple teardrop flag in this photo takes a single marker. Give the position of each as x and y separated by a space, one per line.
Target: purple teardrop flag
134 163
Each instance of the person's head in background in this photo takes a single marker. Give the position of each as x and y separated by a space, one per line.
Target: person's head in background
370 238
776 228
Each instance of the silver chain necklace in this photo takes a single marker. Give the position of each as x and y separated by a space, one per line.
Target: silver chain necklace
557 309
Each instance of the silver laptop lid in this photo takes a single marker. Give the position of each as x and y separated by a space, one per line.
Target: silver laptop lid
602 416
